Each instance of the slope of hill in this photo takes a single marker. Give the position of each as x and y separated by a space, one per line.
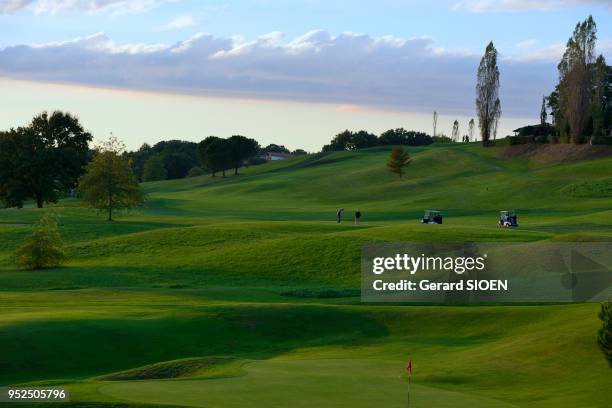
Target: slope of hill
276 221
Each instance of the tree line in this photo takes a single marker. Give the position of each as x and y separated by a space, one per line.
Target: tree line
176 159
348 140
50 158
220 155
580 104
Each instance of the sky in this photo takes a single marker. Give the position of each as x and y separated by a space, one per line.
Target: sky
292 73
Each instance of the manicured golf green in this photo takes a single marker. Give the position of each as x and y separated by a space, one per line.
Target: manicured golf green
244 291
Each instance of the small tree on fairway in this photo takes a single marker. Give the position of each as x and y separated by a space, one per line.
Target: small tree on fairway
109 183
605 333
398 160
42 249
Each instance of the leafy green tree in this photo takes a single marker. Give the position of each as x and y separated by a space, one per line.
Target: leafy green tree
14 188
154 169
401 136
240 150
139 158
109 183
215 154
605 333
399 160
348 140
210 154
43 159
179 157
342 141
178 164
205 157
43 248
488 105
274 148
362 140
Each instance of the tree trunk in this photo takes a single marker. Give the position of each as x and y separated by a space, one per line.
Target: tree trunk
39 201
236 171
110 205
223 173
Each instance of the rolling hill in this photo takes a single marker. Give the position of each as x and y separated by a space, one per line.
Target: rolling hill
223 292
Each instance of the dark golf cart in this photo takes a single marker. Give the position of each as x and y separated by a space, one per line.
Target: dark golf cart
432 217
507 219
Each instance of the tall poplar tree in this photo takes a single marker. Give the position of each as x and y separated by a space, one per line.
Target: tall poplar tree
575 94
488 105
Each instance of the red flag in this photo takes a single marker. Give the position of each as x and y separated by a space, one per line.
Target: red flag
409 369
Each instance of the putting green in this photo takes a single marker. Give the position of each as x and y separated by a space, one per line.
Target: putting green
302 383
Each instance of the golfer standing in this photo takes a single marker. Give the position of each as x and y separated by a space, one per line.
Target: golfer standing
358 217
339 215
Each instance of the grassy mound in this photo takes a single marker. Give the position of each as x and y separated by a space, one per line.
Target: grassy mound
189 367
590 189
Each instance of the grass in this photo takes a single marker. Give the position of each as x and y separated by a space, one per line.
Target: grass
244 290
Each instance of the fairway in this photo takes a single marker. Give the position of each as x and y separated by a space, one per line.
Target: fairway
244 291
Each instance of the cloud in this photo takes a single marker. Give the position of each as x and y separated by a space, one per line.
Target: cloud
530 43
10 6
483 6
116 7
347 70
179 23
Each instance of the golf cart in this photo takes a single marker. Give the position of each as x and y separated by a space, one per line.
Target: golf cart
432 217
507 219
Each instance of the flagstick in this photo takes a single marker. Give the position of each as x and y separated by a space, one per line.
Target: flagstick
409 393
409 370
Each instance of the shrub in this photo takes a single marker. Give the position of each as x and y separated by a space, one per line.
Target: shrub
42 249
195 172
605 333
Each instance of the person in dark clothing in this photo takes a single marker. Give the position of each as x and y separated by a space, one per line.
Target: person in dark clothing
358 217
339 215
